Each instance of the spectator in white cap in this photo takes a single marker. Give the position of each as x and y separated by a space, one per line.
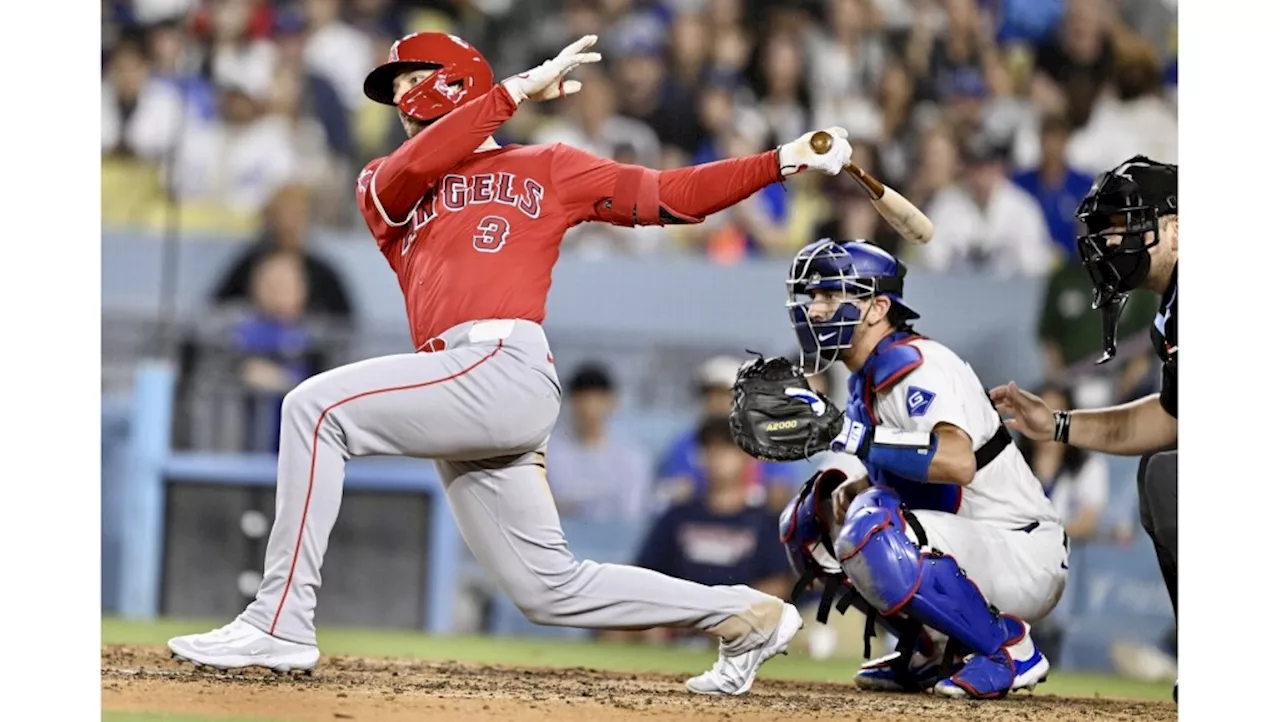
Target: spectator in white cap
680 473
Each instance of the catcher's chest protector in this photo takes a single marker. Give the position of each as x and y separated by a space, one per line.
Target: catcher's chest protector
891 362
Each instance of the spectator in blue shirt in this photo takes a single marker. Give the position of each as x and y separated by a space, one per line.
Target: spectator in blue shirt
1057 187
273 345
719 537
680 473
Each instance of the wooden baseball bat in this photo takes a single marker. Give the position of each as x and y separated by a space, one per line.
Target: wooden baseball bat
899 212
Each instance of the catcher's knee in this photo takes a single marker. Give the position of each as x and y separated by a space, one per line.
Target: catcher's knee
881 561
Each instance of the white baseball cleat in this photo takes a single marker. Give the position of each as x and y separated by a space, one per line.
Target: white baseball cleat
734 675
239 645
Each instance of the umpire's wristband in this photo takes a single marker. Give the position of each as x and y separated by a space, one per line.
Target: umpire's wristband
1062 427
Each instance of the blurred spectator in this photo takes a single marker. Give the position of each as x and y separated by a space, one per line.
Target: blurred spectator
1073 64
273 345
1027 21
720 537
337 51
237 33
1070 331
681 475
590 121
241 159
1132 117
781 90
987 223
958 52
1057 186
594 473
897 136
645 93
1075 480
690 50
141 114
317 94
176 61
937 165
287 227
847 61
1155 21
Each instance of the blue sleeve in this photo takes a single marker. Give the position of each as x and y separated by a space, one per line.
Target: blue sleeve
659 551
780 473
678 460
1026 181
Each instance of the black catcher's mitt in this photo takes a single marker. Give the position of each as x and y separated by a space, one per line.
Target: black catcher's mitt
776 416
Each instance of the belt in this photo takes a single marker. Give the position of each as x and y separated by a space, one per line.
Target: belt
434 344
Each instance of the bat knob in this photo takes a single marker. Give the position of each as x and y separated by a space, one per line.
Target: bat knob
820 142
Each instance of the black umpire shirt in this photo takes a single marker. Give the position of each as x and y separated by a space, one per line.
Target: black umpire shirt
1164 336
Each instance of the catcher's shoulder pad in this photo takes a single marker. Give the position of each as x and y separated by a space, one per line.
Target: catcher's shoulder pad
892 364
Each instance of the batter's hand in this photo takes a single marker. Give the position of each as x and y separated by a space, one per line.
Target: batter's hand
1024 412
797 156
546 82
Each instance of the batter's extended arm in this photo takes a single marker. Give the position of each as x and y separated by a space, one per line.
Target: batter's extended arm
408 173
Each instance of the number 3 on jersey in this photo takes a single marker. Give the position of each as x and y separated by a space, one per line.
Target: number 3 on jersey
491 234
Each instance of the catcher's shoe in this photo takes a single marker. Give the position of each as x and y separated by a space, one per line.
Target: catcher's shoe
734 675
1017 665
878 675
239 645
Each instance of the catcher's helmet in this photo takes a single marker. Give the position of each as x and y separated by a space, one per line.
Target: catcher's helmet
854 268
1123 205
461 74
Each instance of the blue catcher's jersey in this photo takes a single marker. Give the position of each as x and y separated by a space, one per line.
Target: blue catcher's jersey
889 363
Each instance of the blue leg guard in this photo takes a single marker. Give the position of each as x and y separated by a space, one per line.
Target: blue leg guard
894 576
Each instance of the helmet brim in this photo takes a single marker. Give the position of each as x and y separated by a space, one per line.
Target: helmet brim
379 84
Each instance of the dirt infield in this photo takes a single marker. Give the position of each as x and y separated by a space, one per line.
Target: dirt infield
386 690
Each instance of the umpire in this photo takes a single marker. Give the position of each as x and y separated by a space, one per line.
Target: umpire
1130 242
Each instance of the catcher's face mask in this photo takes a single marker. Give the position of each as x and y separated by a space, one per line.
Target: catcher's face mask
827 279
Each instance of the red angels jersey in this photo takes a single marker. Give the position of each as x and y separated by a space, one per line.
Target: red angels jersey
482 240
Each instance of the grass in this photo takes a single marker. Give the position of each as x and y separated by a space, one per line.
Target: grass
558 653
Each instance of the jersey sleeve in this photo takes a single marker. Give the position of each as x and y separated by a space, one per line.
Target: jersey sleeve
925 398
582 180
365 200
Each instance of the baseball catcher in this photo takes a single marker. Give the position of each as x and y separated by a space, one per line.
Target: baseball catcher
925 517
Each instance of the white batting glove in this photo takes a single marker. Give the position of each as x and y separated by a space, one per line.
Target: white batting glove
797 156
546 82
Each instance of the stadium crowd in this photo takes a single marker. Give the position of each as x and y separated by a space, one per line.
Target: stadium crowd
246 119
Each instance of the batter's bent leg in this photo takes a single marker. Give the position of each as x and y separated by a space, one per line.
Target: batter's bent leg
419 405
508 518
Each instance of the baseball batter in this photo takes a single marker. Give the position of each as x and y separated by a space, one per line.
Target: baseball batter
926 512
472 231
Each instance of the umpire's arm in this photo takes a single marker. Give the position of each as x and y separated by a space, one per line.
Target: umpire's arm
1132 429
